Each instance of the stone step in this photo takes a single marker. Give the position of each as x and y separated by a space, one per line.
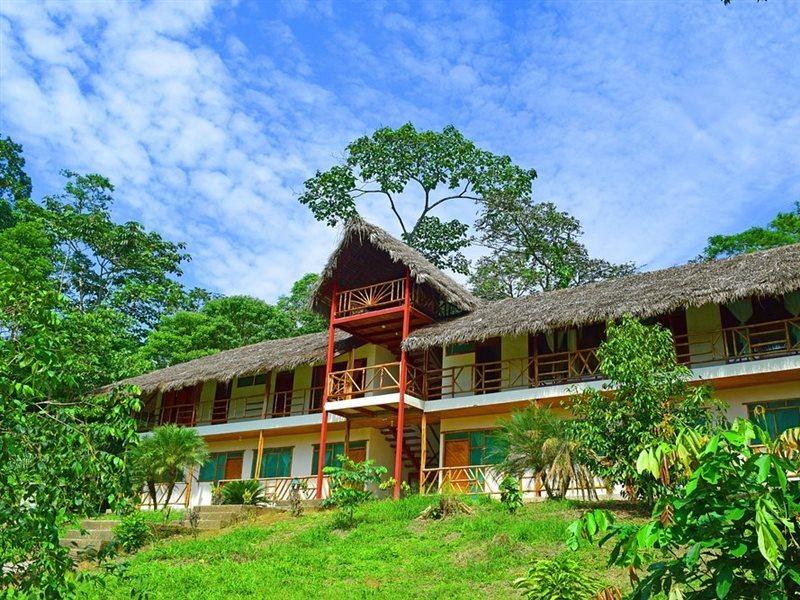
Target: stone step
75 534
221 509
98 524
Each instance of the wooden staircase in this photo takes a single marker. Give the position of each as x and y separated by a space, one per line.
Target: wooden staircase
412 444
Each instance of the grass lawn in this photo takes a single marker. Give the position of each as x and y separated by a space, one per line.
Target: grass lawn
389 554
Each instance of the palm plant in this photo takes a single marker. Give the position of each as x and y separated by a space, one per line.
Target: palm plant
538 442
164 455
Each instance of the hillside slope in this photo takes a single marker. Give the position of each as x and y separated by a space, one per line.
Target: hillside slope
389 554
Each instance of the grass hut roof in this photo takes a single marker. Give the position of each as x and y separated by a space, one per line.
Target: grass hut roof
367 254
764 273
248 360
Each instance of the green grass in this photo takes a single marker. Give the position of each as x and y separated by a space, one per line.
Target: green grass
388 554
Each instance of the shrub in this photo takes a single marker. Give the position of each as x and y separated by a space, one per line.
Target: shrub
245 491
510 493
727 529
133 532
349 486
560 578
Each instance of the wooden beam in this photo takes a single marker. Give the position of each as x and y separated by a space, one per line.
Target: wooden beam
267 386
423 451
259 454
401 400
323 434
347 438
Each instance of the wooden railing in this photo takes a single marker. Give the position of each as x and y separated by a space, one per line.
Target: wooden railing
279 489
386 294
372 381
485 479
178 498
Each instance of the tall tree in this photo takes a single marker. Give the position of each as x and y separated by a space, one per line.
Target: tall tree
56 437
428 168
100 263
297 304
230 322
534 248
15 185
782 230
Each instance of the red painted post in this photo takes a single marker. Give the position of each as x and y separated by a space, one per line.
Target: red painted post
323 435
401 395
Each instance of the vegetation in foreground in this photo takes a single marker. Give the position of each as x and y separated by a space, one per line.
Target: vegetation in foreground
390 553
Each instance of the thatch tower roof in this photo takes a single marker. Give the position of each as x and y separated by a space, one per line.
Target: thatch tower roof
248 360
367 254
769 272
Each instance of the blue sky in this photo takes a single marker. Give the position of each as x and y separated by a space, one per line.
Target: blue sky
656 123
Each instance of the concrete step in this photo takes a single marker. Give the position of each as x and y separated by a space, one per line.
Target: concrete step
98 525
75 534
221 509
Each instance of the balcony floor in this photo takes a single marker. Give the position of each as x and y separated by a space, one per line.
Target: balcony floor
372 405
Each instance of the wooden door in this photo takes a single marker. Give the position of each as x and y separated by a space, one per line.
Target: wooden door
357 454
488 371
219 410
456 454
284 383
318 384
233 467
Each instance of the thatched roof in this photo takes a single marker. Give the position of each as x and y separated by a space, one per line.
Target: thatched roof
355 263
765 273
248 360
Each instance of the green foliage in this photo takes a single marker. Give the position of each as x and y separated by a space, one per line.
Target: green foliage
243 491
782 230
58 441
388 163
648 399
559 578
162 457
133 532
729 529
231 322
348 485
537 442
534 248
15 185
511 493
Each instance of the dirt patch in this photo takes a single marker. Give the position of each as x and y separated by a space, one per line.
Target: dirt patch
470 556
417 526
452 537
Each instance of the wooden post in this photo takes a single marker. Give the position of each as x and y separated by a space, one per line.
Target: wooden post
401 396
347 438
423 451
188 492
267 386
323 435
259 455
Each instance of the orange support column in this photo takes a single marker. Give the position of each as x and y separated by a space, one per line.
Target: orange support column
323 435
401 395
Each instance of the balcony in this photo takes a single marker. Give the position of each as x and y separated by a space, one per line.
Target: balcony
381 296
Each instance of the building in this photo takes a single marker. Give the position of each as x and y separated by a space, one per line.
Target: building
419 371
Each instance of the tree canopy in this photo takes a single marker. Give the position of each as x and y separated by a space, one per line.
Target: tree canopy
782 230
15 185
534 247
427 168
230 322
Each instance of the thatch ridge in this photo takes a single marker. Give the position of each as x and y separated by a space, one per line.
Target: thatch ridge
422 270
286 353
768 272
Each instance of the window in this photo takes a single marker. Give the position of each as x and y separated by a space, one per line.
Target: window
779 415
454 349
332 451
222 465
483 447
275 462
251 380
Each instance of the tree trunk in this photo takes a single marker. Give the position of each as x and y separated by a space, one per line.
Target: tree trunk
151 489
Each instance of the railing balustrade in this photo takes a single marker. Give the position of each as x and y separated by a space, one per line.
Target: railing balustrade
279 489
729 345
386 294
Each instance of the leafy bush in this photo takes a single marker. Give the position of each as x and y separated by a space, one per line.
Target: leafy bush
728 528
133 532
510 493
245 491
652 400
349 485
560 578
